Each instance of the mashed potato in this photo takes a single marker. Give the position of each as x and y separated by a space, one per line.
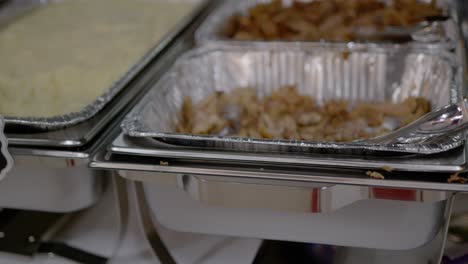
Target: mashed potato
61 57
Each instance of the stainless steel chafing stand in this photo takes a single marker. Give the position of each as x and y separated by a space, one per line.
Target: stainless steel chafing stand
421 172
296 197
315 198
205 187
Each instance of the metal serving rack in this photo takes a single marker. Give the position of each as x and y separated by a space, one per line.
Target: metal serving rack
187 175
228 177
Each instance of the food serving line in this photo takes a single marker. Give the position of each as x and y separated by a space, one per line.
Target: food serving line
280 190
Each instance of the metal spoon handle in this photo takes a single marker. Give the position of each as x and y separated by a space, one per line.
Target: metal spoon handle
432 127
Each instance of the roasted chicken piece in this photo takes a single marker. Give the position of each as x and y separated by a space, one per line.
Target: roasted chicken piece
333 20
287 114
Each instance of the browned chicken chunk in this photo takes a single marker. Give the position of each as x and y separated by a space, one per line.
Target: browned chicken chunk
332 20
286 114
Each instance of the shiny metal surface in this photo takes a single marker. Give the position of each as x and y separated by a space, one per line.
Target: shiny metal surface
291 196
121 197
17 8
53 185
432 252
450 162
362 223
179 203
54 180
151 232
448 124
209 219
367 75
211 197
262 171
443 38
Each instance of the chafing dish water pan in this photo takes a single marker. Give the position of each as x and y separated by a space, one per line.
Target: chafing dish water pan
51 184
357 216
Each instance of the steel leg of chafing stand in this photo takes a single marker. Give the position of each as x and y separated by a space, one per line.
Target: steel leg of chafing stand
121 202
131 204
148 225
151 232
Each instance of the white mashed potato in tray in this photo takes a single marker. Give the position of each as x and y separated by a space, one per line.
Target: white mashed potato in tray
63 56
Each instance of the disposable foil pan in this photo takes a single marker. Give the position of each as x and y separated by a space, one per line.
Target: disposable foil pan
440 35
365 74
11 10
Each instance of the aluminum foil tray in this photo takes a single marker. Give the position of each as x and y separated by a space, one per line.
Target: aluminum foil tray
369 74
441 35
9 11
